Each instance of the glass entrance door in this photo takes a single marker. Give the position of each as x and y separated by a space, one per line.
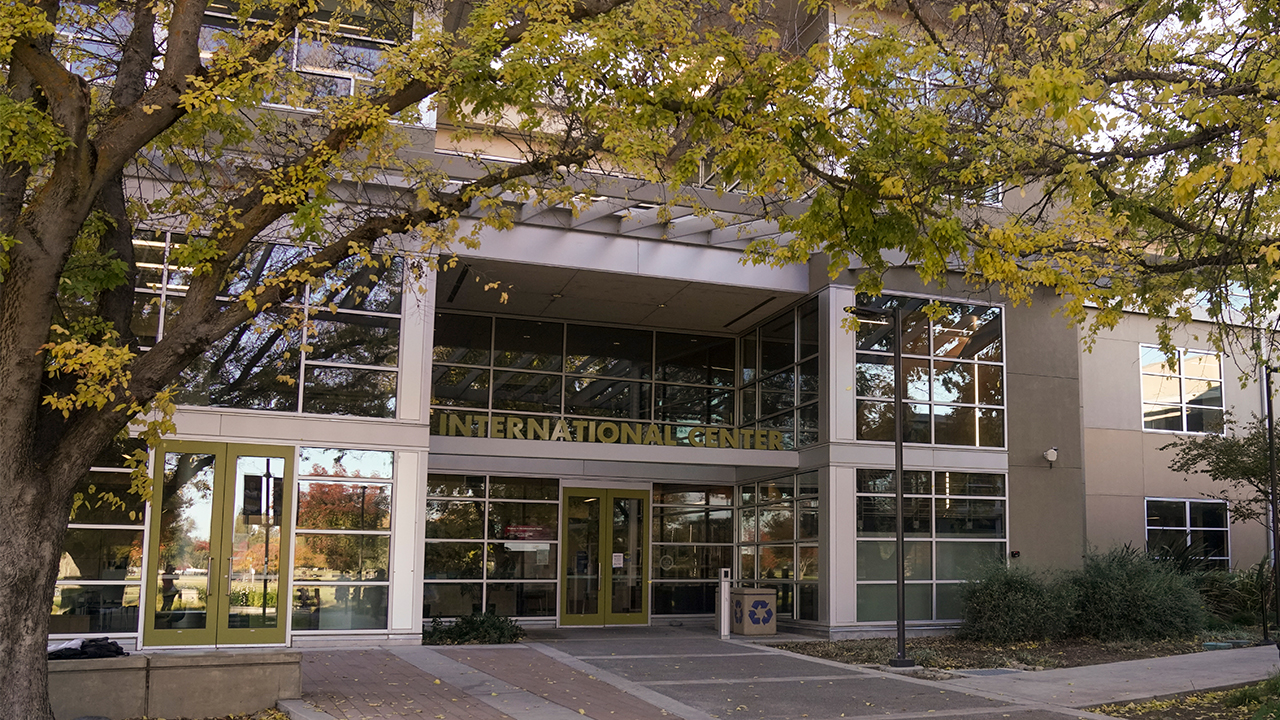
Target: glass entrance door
604 576
217 561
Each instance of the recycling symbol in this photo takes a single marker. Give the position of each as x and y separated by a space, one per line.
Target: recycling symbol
737 611
762 618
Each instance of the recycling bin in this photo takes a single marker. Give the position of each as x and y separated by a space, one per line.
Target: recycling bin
753 611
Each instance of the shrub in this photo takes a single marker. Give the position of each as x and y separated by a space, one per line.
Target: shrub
474 629
1013 605
1124 594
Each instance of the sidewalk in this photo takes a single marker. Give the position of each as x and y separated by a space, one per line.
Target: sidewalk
656 673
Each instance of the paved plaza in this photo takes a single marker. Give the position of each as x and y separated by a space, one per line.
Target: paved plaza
655 673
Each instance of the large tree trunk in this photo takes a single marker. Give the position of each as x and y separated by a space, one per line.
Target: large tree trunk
31 536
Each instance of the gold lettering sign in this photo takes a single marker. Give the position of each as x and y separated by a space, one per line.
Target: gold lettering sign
602 431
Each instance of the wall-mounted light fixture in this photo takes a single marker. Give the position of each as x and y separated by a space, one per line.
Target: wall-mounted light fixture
1051 455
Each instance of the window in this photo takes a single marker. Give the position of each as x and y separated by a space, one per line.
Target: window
342 540
954 388
1195 527
1186 397
491 546
334 54
780 376
954 525
778 541
533 367
692 539
100 575
342 360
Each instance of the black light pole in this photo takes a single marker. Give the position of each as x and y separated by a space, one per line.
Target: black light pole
899 392
1271 501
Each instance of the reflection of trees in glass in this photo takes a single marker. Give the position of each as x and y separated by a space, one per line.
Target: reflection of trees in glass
343 506
244 369
339 506
187 487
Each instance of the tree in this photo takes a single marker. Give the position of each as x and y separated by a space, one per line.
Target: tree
1238 462
123 117
1134 144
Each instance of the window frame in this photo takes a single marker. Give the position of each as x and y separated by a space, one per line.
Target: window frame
1182 405
1187 528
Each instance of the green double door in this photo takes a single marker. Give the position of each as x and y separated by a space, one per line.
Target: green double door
219 545
605 566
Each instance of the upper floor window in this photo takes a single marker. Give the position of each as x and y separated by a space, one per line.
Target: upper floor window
954 368
543 368
335 350
780 376
1184 397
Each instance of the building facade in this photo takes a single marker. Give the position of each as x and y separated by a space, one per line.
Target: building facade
639 413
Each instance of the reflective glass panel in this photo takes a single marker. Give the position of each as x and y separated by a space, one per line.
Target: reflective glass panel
342 607
457 519
257 515
967 561
103 498
354 339
523 521
462 339
450 599
778 344
520 488
526 392
954 425
341 462
95 609
186 515
954 382
695 359
453 561
522 599
98 554
877 517
777 522
970 518
528 345
343 506
1166 513
349 391
455 485
607 398
691 561
692 526
1208 515
522 561
613 352
459 386
879 603
336 557
878 561
776 562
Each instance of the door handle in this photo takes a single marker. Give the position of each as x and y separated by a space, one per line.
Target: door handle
228 576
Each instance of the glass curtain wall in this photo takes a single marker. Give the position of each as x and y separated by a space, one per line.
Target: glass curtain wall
692 540
491 546
954 524
342 539
954 370
779 387
100 575
342 360
532 369
778 541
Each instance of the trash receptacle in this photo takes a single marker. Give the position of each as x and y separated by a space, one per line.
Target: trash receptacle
754 611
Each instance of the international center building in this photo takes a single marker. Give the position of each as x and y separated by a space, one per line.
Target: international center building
642 411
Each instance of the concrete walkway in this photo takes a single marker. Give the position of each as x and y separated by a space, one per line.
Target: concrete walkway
657 673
